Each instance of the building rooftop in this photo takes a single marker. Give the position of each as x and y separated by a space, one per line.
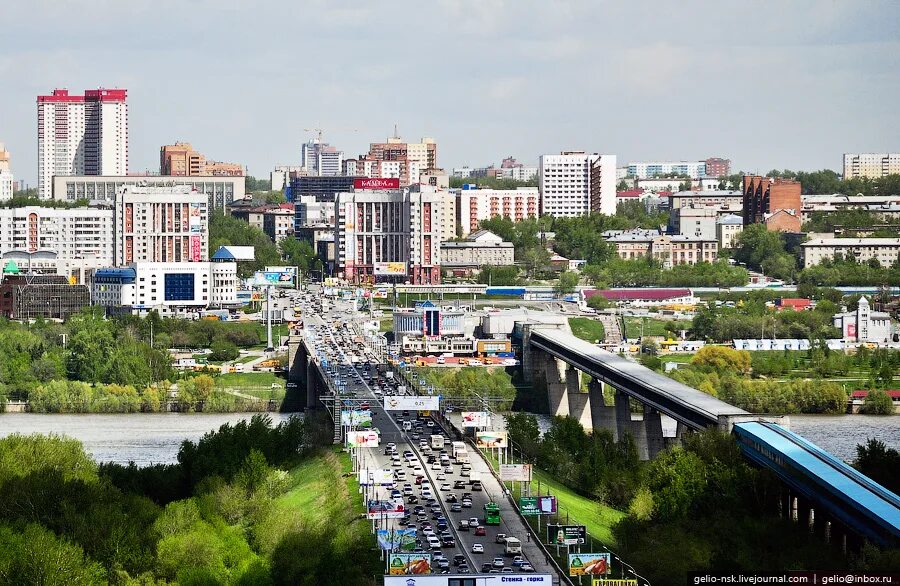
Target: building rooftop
853 242
708 193
730 220
234 253
637 294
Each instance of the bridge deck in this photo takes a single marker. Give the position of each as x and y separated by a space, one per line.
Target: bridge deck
848 495
591 359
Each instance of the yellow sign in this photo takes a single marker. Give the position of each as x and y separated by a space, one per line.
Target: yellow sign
614 582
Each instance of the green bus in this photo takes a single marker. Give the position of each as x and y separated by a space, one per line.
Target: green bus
491 514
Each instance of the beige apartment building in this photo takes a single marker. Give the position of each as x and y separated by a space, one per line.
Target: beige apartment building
872 165
669 250
479 249
181 160
885 250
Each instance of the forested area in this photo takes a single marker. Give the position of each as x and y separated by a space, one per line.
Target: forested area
94 364
227 513
704 483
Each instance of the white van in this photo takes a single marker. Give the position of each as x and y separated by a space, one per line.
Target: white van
513 546
407 425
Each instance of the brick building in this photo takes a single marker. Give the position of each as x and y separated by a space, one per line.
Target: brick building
766 196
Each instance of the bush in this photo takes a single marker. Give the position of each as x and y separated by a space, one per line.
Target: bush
223 350
877 402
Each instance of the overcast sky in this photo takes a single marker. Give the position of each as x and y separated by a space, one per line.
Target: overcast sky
787 84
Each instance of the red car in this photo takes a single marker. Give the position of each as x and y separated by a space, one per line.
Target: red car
479 530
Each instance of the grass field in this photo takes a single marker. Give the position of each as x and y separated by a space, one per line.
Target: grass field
652 326
587 329
596 517
386 324
248 380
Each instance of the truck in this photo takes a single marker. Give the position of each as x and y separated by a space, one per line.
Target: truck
459 452
437 442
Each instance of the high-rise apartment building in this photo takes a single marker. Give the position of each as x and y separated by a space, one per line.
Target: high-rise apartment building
395 159
573 183
871 165
389 234
161 224
321 159
7 181
181 160
717 167
477 205
774 202
711 167
81 135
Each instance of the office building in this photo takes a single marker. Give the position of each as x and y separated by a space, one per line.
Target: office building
280 176
7 181
32 296
388 234
871 165
885 250
181 160
574 183
395 158
478 249
161 224
864 325
321 188
725 201
477 205
691 221
727 229
712 167
766 196
171 288
461 172
320 159
219 191
81 135
668 250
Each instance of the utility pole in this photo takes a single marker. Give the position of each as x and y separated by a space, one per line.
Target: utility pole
269 345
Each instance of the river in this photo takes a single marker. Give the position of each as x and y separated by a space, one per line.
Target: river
155 438
140 438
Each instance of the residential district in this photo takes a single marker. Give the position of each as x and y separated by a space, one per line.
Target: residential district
422 316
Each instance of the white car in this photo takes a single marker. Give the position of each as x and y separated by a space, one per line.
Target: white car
477 548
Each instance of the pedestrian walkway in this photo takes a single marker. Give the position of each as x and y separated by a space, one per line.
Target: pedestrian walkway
612 328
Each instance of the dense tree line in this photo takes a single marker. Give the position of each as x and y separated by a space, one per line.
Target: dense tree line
492 182
850 220
216 517
227 230
753 320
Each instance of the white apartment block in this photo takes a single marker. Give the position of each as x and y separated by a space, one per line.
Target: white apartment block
449 204
567 180
220 190
693 169
382 233
885 250
77 239
871 165
161 224
7 181
81 135
518 173
321 159
477 205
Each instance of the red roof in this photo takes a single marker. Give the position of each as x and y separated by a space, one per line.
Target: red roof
630 193
895 395
635 294
794 303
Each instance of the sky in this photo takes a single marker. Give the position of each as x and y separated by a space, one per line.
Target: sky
787 84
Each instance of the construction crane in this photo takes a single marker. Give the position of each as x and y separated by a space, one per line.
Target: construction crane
320 131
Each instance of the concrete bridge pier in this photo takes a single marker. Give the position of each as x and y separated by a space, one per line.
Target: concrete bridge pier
557 385
603 416
624 424
656 443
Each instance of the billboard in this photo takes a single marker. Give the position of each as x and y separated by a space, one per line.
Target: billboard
475 419
376 476
520 472
274 278
491 439
361 418
377 183
404 564
588 564
291 270
566 534
362 439
195 222
196 248
390 268
411 403
467 579
537 505
397 539
385 510
614 582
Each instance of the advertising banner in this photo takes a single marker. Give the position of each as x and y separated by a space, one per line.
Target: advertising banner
362 439
291 270
390 268
377 183
588 564
480 580
491 439
274 278
195 221
397 539
355 418
475 419
404 564
614 582
415 403
566 534
385 510
376 477
520 472
537 505
196 248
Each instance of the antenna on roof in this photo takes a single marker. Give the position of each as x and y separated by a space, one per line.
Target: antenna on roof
395 131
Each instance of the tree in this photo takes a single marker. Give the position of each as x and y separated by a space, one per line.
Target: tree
298 253
722 359
223 351
228 230
566 283
877 402
498 276
762 249
524 432
623 186
880 463
598 302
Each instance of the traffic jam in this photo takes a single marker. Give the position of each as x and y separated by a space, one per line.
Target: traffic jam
429 509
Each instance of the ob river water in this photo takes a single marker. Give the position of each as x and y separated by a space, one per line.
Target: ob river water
155 438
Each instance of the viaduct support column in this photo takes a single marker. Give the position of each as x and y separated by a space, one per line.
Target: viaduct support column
602 416
654 433
625 425
557 387
579 403
312 386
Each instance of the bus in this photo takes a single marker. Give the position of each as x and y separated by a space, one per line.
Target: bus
491 514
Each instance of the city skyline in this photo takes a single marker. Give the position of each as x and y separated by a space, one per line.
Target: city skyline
491 80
